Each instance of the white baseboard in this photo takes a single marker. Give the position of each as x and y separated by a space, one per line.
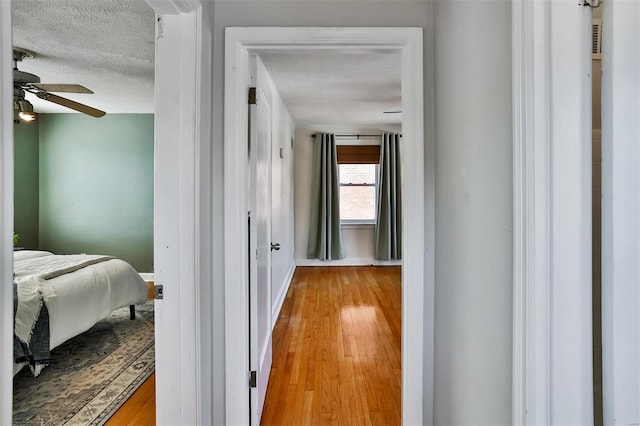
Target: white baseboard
352 261
277 306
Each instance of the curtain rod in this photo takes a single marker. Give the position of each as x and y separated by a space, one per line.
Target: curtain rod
357 136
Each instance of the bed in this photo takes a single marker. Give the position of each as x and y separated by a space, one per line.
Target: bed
58 297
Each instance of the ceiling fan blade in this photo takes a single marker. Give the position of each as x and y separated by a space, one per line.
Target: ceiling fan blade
70 104
69 88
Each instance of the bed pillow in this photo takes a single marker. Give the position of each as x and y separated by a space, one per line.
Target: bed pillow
29 254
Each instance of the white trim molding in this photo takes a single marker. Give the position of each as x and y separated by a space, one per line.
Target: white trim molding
552 380
256 40
531 213
174 7
277 306
349 261
6 215
182 212
173 222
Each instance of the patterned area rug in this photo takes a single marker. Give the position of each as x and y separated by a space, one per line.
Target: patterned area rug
91 375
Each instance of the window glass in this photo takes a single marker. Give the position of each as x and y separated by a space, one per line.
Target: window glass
357 192
358 173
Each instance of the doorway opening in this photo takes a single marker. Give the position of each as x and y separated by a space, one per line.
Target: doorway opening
417 281
328 98
84 183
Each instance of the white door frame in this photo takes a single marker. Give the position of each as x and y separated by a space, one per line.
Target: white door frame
183 59
552 362
182 212
6 214
240 42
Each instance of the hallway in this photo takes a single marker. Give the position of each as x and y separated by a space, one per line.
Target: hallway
336 349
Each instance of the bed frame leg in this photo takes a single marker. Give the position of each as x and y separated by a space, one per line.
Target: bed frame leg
132 312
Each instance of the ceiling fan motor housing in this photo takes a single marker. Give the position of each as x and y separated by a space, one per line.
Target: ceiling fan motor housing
21 77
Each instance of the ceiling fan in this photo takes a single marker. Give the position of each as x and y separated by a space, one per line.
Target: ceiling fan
27 82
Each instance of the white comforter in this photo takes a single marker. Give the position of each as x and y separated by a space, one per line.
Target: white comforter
76 301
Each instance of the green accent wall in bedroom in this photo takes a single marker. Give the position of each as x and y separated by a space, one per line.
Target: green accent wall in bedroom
96 186
25 177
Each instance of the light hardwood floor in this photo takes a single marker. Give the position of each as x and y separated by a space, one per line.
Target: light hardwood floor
336 353
140 408
336 349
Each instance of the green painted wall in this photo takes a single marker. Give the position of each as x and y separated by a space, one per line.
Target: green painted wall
25 194
96 186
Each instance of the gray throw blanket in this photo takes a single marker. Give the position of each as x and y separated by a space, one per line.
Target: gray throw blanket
36 352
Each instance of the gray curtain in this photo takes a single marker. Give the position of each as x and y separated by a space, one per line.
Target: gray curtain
388 236
325 236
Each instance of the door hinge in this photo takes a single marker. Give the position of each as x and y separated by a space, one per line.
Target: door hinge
590 3
158 291
252 95
252 379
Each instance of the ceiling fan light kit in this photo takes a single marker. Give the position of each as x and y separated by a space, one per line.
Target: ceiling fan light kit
22 108
25 111
24 82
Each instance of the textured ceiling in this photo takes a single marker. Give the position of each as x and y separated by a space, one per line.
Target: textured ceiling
105 45
108 46
338 88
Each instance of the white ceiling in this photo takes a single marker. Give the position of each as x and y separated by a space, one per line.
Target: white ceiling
338 88
105 45
108 46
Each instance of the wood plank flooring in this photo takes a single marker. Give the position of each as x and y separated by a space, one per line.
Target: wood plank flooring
336 353
336 349
140 408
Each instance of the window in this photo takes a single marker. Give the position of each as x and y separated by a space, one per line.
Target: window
358 192
358 179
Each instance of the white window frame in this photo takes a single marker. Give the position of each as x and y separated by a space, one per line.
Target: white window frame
361 223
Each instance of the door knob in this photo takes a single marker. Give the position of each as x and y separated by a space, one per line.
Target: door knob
275 246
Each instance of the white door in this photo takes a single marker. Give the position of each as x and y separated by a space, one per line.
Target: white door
260 248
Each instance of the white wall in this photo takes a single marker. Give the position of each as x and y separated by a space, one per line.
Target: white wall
621 212
358 241
282 195
472 191
473 213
